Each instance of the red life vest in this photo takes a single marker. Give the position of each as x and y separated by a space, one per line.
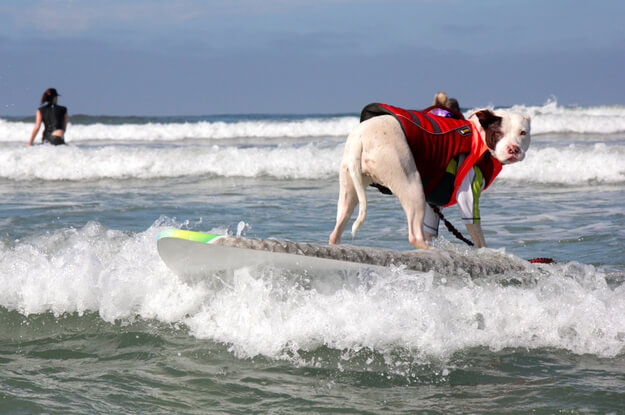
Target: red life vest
434 141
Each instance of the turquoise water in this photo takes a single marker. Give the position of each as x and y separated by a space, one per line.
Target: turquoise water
91 320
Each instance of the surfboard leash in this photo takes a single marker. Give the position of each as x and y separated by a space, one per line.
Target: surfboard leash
459 235
450 227
542 260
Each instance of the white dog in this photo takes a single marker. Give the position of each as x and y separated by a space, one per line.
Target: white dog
379 151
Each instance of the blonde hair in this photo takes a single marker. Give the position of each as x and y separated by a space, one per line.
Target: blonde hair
440 98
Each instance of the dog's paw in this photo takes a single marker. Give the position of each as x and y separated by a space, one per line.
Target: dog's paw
422 245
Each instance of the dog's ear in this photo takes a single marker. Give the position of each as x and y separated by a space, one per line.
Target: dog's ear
487 118
491 124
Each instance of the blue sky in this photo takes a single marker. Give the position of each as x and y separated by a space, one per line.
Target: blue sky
192 57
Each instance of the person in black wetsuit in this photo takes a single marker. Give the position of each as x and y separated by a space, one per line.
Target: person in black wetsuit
54 117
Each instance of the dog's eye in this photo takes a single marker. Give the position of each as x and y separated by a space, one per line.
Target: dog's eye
523 133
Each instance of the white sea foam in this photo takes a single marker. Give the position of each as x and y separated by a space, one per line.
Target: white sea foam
549 118
296 148
430 315
120 162
91 269
572 164
276 314
173 131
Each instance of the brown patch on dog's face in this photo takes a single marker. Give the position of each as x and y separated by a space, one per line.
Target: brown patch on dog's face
491 124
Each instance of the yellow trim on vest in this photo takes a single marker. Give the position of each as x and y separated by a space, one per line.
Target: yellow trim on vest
476 189
452 167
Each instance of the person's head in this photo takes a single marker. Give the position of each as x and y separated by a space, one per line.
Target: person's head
49 95
452 103
440 98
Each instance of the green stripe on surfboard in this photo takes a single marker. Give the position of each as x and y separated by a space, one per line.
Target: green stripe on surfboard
189 235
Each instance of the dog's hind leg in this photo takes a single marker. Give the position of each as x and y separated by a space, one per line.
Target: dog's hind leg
346 204
359 182
352 184
397 170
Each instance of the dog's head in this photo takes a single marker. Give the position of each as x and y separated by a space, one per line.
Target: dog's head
507 134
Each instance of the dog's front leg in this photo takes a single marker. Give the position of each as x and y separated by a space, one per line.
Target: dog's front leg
475 230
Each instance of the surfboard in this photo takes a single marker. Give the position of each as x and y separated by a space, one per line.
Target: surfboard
190 253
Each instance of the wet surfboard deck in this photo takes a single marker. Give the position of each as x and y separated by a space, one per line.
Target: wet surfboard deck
190 253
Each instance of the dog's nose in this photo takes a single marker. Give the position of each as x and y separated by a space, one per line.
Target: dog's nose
513 149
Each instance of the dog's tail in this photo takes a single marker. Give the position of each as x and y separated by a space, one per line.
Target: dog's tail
355 171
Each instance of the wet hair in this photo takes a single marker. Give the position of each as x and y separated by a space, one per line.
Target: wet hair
452 103
49 95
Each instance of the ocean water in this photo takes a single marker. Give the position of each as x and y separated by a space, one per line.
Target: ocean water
92 321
